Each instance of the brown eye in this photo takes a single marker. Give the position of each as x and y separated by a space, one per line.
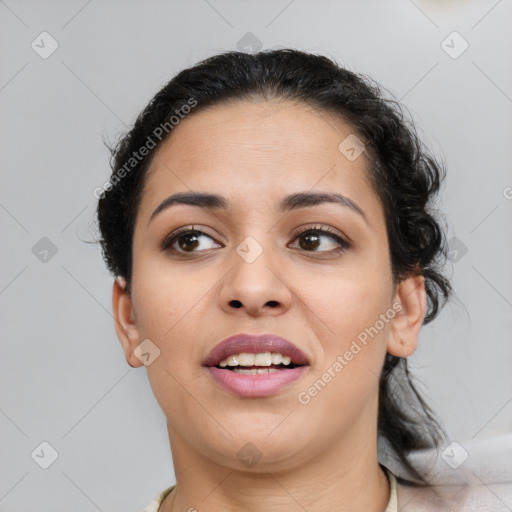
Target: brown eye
188 241
311 239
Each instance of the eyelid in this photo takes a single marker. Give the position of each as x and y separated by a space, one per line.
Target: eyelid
344 240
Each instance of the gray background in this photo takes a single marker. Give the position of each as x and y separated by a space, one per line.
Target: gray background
64 378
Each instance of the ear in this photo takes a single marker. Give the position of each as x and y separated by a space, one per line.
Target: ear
410 302
126 328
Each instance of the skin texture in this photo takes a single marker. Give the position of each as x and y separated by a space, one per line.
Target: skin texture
255 153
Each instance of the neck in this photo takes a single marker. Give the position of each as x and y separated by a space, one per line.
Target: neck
348 475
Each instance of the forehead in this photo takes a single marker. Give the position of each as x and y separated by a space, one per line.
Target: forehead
270 130
256 149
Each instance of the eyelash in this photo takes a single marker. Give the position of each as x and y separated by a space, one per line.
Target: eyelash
324 230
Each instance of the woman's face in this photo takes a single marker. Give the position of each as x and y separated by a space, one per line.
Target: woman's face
196 292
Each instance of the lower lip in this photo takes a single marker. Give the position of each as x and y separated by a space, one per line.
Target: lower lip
255 386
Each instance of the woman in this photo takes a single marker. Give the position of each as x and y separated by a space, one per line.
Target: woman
269 222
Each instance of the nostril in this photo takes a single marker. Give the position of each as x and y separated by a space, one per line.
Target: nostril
237 304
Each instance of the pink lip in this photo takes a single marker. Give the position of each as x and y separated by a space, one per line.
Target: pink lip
255 386
253 344
260 385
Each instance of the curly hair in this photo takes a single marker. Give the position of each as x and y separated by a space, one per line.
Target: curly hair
405 176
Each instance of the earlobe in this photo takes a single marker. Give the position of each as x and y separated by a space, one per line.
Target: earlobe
125 325
411 305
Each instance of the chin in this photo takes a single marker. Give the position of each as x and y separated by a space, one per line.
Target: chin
259 453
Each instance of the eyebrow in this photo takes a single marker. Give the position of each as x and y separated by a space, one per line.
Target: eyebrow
290 202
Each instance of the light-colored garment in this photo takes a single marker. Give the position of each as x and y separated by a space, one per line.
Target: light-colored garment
391 507
155 504
465 476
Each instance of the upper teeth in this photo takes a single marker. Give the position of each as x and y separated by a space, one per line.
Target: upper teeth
261 359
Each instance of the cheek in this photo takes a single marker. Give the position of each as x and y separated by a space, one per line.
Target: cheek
172 303
345 380
169 308
348 324
164 293
348 302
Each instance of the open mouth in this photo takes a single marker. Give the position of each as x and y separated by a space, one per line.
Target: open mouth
257 364
256 369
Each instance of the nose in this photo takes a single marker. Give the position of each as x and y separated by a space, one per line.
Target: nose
255 287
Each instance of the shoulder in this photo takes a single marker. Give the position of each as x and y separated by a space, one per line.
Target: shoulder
477 497
476 477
